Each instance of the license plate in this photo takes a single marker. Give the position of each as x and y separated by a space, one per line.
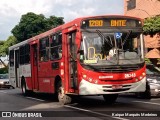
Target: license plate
116 86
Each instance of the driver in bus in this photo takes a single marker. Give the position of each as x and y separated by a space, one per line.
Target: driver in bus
112 52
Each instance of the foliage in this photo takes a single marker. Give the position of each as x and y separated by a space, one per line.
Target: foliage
147 61
32 24
3 70
5 44
1 42
152 25
158 60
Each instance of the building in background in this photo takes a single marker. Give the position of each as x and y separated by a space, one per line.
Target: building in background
145 9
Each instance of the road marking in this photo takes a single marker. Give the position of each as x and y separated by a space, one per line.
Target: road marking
35 99
41 106
155 99
89 111
147 102
3 92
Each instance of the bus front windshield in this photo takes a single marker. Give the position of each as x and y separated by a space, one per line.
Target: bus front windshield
111 48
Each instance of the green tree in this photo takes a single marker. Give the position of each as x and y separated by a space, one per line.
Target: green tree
4 45
54 21
1 42
32 24
152 25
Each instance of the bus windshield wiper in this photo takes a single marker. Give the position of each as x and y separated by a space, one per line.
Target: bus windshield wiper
103 37
128 34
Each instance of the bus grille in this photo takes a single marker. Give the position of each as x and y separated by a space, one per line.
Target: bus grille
117 69
113 81
117 90
124 86
114 69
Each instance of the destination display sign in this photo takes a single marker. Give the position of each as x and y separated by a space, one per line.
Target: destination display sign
110 22
94 23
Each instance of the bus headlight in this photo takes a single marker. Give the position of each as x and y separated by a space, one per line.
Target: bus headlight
140 77
96 81
84 76
90 79
156 90
143 74
136 79
2 82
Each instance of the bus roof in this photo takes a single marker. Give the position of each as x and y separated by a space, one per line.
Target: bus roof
65 26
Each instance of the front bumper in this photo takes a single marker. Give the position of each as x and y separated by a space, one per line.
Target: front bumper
4 85
87 88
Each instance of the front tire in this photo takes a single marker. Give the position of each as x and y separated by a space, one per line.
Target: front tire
110 98
62 97
9 87
12 87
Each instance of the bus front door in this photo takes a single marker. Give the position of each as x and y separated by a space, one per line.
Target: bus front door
73 83
34 66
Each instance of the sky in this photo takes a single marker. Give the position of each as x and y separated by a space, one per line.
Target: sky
12 10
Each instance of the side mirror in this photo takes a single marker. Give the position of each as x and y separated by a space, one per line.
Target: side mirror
81 52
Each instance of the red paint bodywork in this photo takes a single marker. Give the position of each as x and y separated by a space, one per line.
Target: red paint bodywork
43 76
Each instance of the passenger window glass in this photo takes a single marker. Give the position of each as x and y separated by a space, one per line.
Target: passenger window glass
25 54
56 46
44 49
11 58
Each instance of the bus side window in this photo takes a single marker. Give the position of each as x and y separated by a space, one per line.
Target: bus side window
11 58
25 54
56 46
44 49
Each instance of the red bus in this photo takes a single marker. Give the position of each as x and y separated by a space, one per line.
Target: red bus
98 55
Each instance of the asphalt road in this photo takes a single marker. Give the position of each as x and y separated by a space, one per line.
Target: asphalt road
45 106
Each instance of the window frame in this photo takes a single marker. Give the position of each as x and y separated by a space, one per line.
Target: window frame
11 57
44 49
24 54
57 45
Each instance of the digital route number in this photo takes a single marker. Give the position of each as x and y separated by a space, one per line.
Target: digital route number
95 23
111 23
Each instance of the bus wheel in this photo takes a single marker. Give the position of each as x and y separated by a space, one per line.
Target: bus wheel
62 97
23 87
110 98
144 95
